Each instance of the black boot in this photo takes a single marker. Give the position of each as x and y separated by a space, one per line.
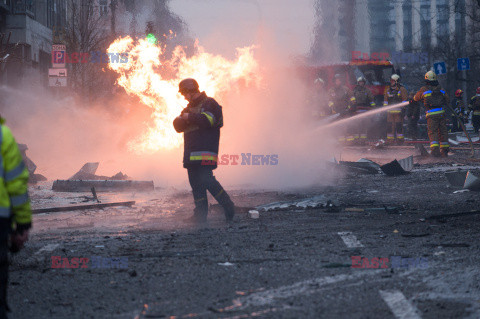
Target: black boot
227 204
444 152
199 213
435 152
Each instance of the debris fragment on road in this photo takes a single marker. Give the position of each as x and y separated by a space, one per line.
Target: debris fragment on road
319 201
102 186
81 207
400 167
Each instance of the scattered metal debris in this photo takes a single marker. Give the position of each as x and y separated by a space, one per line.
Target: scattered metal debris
472 182
464 179
31 167
396 168
88 170
362 166
319 201
101 186
81 207
456 178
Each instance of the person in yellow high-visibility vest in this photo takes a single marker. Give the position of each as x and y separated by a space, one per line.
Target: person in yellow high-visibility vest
15 211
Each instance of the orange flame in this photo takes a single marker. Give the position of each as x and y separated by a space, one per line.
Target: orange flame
142 76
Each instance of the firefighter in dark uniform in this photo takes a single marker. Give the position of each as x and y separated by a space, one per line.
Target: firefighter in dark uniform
339 99
361 101
474 106
435 100
459 108
395 93
15 211
200 123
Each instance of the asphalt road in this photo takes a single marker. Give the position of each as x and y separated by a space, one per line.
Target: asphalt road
290 263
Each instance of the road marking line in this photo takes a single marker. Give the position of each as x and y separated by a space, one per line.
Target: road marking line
306 287
350 240
400 306
47 248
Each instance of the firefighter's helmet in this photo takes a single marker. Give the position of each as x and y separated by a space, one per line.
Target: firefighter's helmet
430 76
188 85
361 79
458 93
395 77
478 90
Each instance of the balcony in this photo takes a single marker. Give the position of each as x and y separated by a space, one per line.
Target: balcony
23 7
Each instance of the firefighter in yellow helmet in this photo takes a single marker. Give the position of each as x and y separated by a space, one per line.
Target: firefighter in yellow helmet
435 100
395 93
361 101
15 212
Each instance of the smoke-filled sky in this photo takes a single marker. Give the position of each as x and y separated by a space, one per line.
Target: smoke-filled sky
223 25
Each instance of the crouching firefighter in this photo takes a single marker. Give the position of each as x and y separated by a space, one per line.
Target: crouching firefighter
200 123
435 100
15 212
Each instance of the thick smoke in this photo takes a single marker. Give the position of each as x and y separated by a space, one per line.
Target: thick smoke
273 119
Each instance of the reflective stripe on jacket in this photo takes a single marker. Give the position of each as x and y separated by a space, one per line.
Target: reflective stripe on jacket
14 200
201 132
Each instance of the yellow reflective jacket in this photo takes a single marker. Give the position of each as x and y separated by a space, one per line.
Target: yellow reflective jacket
14 201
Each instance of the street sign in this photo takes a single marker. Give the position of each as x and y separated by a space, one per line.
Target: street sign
58 55
463 64
440 68
57 72
57 81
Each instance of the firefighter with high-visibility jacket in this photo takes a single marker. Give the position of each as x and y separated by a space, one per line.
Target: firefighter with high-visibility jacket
15 211
474 107
435 100
395 93
361 102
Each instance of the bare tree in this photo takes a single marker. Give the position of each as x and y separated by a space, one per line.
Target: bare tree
86 32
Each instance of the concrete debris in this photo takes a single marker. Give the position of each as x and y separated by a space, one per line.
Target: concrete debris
472 182
101 185
254 214
396 168
81 207
319 201
87 172
456 178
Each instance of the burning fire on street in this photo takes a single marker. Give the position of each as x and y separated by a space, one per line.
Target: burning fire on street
153 78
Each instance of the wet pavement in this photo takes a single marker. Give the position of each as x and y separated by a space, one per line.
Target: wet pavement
292 262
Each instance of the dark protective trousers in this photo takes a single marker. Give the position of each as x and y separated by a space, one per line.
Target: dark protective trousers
3 278
413 128
476 122
201 179
437 131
